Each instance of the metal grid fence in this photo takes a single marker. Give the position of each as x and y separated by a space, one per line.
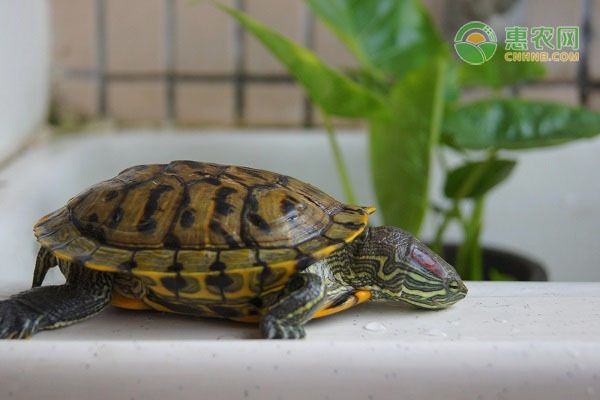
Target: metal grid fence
240 77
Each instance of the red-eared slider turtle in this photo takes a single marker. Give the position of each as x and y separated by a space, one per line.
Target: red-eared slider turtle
220 241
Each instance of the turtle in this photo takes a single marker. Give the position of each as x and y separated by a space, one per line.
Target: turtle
224 241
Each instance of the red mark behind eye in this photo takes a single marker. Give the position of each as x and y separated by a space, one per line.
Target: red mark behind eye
425 260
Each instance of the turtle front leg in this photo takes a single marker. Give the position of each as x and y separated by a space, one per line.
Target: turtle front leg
44 261
85 294
301 298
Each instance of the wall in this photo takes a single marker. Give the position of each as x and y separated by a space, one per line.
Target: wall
24 70
203 44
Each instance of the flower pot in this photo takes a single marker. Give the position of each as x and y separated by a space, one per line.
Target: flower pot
510 265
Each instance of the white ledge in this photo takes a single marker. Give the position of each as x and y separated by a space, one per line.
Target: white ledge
503 341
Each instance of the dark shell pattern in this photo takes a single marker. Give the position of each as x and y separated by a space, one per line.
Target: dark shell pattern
236 231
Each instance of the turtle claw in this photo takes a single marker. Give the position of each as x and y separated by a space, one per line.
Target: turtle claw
273 329
17 321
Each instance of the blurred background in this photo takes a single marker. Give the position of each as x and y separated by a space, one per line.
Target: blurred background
93 86
151 61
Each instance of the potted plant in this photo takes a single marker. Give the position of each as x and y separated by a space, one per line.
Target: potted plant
408 90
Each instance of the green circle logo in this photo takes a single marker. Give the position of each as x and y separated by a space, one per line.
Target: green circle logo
475 42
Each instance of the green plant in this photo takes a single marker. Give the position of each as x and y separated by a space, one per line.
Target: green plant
407 88
492 126
392 76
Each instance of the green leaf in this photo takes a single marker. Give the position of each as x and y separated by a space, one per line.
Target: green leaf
332 91
518 124
452 84
475 179
389 36
401 146
498 73
368 80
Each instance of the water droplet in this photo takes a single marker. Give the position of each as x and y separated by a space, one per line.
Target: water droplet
436 332
374 327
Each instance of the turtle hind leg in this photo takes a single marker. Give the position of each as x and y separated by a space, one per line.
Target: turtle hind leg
301 298
85 294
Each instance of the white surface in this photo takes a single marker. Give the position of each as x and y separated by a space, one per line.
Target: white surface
503 341
24 69
549 208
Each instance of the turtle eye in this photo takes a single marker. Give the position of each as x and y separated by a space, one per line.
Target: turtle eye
453 285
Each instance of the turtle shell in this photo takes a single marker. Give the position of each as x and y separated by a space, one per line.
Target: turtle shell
194 218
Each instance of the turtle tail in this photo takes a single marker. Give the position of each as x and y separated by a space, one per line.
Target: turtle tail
44 261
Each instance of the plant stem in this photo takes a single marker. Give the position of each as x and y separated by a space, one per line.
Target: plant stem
437 112
339 159
469 258
435 129
449 215
475 257
469 262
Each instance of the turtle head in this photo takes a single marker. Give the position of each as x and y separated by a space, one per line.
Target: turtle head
406 270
